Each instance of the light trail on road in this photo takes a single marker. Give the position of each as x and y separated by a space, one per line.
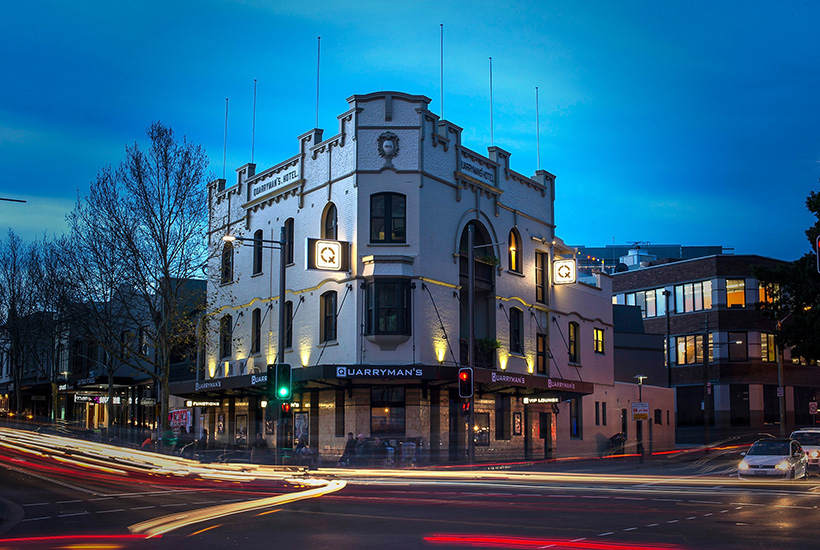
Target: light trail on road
166 524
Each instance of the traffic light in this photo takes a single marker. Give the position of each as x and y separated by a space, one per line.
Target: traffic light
279 381
286 408
465 408
465 382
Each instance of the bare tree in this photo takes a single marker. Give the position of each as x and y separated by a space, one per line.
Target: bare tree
135 240
18 304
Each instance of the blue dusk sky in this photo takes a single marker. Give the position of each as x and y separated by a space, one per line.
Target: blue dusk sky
671 122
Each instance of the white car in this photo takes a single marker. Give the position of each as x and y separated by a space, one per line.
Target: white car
774 458
809 439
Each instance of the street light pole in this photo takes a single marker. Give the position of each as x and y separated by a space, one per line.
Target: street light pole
781 392
471 340
280 351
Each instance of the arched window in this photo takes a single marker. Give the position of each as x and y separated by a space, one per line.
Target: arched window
289 234
225 336
516 331
574 352
388 218
329 228
257 252
226 274
515 252
327 327
256 330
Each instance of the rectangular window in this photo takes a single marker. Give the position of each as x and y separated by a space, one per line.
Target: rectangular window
597 413
387 218
541 277
388 307
576 428
690 349
256 330
738 348
651 304
735 293
574 357
502 417
599 340
658 416
541 354
328 317
692 297
516 331
339 411
679 305
707 294
603 413
768 348
289 325
387 411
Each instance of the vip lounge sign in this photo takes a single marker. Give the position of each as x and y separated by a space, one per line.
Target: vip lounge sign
326 255
563 272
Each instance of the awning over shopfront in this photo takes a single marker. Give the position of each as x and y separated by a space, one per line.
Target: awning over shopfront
330 376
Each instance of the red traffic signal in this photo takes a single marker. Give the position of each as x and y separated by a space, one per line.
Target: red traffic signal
465 382
285 408
465 408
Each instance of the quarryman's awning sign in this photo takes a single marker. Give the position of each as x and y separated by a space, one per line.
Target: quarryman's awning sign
378 372
531 383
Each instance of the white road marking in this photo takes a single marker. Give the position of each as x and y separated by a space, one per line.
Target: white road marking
707 515
667 499
692 517
36 519
72 515
67 501
110 511
177 504
36 504
673 521
630 528
143 507
704 501
579 540
605 534
653 524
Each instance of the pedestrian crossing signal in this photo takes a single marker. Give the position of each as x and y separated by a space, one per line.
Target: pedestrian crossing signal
280 382
465 382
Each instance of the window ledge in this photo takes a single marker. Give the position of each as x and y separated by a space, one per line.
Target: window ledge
379 243
328 343
518 273
387 342
257 274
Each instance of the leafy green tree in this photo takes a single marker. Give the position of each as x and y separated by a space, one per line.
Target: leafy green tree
795 291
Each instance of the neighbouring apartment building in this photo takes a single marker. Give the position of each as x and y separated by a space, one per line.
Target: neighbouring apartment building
376 219
714 301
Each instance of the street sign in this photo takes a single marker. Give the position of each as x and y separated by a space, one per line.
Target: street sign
812 407
779 392
640 411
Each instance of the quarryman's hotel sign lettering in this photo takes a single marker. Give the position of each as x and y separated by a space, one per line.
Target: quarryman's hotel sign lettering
268 184
476 170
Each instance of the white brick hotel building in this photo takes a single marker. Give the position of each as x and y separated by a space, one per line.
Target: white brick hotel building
376 345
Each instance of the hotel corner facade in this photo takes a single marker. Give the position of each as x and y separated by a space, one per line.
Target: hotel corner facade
376 302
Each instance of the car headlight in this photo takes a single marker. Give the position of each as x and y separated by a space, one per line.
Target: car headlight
783 465
814 454
742 465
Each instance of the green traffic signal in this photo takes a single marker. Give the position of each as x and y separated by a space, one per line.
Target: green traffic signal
282 380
